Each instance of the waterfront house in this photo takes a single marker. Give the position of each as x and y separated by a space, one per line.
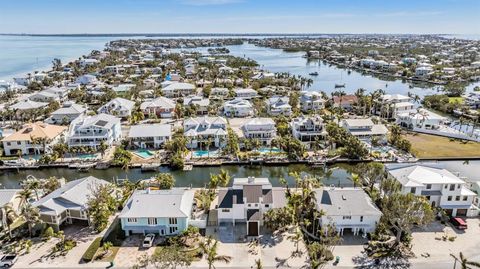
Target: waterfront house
245 93
308 129
238 108
423 71
219 93
472 99
390 105
87 62
199 102
162 212
347 209
178 89
262 129
118 107
67 113
86 80
439 186
160 106
311 101
365 129
278 105
44 96
246 202
420 119
90 131
33 138
203 130
149 135
345 102
27 105
68 204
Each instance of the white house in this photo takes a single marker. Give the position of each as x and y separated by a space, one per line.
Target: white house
246 202
278 105
161 106
347 209
421 119
308 129
199 102
390 105
87 79
311 101
178 89
149 135
33 138
67 113
200 131
27 104
439 186
92 130
219 93
245 93
262 129
365 129
238 108
119 107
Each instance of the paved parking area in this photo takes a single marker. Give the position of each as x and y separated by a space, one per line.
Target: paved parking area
274 251
131 250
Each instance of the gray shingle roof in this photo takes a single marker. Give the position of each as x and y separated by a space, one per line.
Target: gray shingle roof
73 194
150 130
7 195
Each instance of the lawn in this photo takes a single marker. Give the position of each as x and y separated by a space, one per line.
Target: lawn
431 146
453 100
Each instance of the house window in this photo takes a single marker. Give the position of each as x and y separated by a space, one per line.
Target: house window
457 198
452 187
347 217
267 205
465 198
8 144
429 186
172 221
19 143
446 186
173 230
458 186
152 221
225 210
413 190
132 220
361 218
449 198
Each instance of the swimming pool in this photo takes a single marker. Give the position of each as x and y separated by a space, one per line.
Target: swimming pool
143 153
269 150
86 156
204 153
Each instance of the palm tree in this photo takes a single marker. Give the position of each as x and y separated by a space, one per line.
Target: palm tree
8 216
464 263
209 249
355 179
25 195
258 264
32 216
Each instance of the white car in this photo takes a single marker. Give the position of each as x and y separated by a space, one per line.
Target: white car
148 241
8 260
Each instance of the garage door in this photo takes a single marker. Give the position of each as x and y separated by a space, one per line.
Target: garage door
252 228
461 212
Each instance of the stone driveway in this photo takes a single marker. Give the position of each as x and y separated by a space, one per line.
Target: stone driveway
131 251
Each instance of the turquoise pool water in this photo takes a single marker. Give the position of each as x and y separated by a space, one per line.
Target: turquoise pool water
145 154
204 153
86 156
269 150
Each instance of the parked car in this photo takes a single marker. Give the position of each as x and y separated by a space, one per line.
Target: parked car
459 223
148 241
8 260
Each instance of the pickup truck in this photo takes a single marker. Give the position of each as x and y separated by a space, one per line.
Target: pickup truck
8 260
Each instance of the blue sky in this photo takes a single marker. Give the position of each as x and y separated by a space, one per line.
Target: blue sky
240 16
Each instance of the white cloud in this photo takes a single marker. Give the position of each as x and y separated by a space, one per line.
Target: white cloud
209 2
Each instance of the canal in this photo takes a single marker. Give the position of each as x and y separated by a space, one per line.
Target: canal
337 175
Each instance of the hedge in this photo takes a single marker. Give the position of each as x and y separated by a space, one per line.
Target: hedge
91 250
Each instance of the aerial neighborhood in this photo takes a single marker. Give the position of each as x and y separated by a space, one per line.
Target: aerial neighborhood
166 152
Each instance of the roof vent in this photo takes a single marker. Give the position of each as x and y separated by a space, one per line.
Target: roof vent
251 179
344 198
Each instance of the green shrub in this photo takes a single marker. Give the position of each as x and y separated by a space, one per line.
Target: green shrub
48 233
91 250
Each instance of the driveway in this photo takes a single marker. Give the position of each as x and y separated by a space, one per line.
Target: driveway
131 251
